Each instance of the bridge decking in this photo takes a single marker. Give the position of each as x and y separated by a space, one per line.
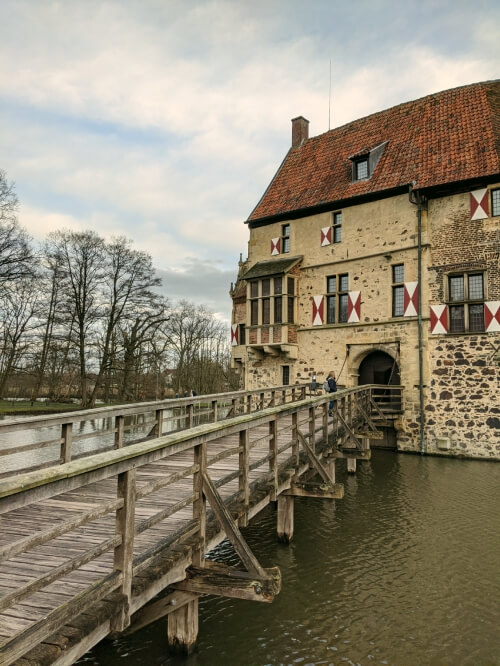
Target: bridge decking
250 464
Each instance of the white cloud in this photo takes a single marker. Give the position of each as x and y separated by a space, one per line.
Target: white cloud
166 121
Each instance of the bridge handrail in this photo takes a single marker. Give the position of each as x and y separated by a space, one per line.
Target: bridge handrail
184 413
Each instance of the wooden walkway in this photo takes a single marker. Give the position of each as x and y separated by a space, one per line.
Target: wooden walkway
86 546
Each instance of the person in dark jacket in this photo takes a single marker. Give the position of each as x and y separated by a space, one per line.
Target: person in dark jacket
332 386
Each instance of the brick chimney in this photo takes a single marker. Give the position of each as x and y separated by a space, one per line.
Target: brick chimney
300 131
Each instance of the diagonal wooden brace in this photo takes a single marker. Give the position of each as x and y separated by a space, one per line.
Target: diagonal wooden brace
350 432
225 581
371 427
318 465
231 529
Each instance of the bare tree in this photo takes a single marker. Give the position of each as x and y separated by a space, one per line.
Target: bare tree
17 315
129 277
82 260
17 259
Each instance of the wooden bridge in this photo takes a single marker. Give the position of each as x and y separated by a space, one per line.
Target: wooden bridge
102 538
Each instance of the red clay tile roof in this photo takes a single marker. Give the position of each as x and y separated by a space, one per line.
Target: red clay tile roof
444 138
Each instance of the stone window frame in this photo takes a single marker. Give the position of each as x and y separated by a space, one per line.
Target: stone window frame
337 289
285 375
464 303
398 308
495 202
262 296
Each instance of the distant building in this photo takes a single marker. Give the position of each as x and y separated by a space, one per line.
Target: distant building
352 222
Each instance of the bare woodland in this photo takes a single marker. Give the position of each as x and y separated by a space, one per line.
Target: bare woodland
82 317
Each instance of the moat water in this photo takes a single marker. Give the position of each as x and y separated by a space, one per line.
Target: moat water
404 571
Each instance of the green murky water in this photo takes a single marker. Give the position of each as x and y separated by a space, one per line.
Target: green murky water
405 570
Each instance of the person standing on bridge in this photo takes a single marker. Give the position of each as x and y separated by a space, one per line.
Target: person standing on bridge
332 388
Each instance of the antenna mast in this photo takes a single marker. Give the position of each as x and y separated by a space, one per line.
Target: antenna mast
329 94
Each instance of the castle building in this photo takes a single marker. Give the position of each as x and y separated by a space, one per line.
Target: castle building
375 252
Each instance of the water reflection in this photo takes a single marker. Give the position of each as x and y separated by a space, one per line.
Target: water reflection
403 571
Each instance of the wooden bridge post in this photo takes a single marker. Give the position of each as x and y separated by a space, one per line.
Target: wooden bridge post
324 410
244 488
159 423
67 436
285 518
295 440
123 554
215 411
351 465
273 457
249 403
119 430
312 428
190 415
183 628
200 502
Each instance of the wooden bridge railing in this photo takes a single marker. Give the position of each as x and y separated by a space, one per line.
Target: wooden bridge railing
94 554
60 438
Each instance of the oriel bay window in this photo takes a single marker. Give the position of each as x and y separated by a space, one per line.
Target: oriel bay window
337 287
272 301
466 302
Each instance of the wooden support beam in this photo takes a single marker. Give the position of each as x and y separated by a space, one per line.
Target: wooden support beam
349 431
351 465
317 464
285 518
231 529
157 609
376 434
225 581
319 490
123 553
183 628
351 453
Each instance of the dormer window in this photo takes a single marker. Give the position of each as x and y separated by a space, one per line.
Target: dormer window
365 161
361 169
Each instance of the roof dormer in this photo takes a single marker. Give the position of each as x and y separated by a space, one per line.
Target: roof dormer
365 161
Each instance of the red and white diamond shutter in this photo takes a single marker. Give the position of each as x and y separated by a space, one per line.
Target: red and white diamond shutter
479 208
491 316
410 299
318 317
353 307
326 236
275 246
439 319
234 335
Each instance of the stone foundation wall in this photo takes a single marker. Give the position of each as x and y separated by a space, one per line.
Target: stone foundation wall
463 412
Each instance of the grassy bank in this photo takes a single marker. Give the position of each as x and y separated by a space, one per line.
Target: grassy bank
25 407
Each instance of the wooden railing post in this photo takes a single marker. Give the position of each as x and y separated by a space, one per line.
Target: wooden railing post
190 415
312 429
261 400
295 440
249 403
119 430
324 413
200 502
234 406
67 436
214 410
159 423
273 398
244 486
123 554
273 457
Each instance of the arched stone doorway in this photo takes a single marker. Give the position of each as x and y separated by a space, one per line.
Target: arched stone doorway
379 367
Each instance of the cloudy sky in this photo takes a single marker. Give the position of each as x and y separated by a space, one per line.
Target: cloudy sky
164 120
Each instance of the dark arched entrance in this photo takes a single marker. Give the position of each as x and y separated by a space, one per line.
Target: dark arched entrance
380 368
